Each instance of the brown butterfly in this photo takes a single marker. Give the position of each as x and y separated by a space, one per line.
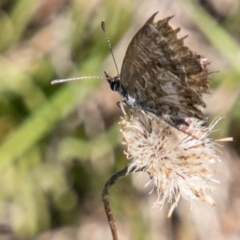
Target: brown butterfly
162 76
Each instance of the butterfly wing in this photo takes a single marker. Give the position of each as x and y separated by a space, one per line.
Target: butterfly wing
194 65
166 96
162 74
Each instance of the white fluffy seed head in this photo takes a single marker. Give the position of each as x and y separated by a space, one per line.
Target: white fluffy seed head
178 164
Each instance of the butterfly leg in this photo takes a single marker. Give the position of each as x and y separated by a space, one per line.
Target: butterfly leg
184 125
145 113
120 105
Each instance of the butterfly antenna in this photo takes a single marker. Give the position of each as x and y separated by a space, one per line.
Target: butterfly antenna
109 45
56 81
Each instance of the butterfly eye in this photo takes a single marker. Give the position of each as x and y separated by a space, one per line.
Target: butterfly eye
115 84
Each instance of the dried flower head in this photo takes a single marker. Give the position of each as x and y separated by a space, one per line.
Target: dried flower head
178 164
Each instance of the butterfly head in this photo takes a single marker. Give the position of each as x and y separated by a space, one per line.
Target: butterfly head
114 82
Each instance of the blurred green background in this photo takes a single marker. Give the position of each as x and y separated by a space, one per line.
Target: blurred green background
60 143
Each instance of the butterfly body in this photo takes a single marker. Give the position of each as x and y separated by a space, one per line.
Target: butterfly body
161 75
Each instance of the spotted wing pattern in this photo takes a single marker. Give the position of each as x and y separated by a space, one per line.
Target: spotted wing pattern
164 76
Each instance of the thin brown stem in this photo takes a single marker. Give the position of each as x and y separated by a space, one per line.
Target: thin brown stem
105 197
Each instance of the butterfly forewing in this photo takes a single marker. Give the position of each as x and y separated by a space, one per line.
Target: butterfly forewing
147 49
